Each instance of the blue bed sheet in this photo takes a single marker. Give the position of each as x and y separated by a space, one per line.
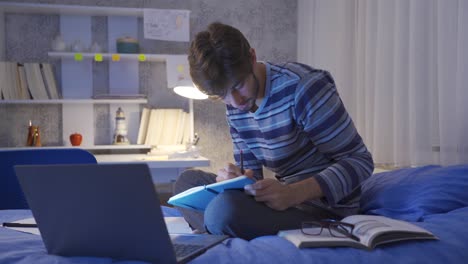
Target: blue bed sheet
451 247
432 197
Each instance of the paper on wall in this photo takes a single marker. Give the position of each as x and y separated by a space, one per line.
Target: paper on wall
166 24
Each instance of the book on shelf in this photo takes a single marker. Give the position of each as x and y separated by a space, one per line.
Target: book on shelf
35 81
119 96
369 231
187 136
12 86
23 84
200 196
180 127
4 87
155 127
163 127
27 81
169 131
142 131
49 80
11 81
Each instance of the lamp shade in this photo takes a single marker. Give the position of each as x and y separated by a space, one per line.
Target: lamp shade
178 78
189 90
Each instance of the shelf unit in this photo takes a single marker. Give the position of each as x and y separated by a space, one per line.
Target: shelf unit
77 86
77 90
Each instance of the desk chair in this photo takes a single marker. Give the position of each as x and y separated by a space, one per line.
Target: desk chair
11 195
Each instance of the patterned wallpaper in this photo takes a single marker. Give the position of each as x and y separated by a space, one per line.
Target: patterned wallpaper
269 25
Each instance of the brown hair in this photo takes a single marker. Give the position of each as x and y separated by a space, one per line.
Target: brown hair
219 58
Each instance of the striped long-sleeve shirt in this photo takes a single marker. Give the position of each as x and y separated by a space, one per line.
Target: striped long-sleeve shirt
300 130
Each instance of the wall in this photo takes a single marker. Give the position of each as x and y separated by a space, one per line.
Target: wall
269 25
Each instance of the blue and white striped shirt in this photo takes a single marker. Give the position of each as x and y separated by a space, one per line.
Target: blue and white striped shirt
300 130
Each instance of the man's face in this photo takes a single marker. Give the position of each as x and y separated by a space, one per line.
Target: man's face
242 95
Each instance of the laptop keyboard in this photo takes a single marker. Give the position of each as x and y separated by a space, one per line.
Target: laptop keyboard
182 250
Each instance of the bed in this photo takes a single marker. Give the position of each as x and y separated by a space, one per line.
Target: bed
433 197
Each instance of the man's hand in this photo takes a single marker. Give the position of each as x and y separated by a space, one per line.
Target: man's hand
273 193
279 196
232 171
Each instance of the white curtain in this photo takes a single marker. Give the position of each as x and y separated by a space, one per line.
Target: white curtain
401 68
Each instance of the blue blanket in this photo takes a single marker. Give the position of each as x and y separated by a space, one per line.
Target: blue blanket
435 198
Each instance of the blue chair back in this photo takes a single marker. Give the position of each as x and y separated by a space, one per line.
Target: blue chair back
11 195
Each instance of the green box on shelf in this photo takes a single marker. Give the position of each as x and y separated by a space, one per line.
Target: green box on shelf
127 45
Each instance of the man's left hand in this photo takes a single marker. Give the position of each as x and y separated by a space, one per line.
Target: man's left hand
275 195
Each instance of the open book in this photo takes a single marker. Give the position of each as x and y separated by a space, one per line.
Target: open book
199 197
371 230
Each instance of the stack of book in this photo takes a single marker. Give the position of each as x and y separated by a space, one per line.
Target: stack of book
164 127
27 81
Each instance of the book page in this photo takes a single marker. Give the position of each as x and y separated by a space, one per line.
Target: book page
325 239
30 230
235 183
175 225
369 227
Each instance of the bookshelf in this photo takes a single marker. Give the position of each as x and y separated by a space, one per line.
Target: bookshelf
77 75
77 85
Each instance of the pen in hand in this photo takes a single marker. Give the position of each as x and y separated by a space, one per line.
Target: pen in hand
242 162
18 225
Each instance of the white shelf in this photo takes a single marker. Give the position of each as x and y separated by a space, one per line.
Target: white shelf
118 147
153 161
108 56
77 101
95 147
30 8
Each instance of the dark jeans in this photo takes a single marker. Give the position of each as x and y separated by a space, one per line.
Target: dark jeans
237 214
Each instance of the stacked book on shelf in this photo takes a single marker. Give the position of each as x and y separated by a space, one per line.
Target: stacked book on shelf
27 81
164 127
120 96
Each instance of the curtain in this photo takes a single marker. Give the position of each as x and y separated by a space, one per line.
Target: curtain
401 68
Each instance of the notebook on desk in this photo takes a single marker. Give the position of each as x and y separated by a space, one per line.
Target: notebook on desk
109 210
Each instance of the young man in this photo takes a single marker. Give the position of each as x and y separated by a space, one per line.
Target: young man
286 117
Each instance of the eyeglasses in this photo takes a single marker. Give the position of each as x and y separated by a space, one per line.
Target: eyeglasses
335 228
238 85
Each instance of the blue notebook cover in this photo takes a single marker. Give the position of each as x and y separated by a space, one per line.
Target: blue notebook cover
199 197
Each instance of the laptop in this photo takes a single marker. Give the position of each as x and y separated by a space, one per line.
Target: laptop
104 210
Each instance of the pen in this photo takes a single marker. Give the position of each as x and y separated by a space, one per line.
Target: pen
18 225
242 162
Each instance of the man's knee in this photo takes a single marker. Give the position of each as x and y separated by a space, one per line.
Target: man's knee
226 213
188 179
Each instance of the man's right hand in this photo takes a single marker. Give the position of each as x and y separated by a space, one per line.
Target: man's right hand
232 171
